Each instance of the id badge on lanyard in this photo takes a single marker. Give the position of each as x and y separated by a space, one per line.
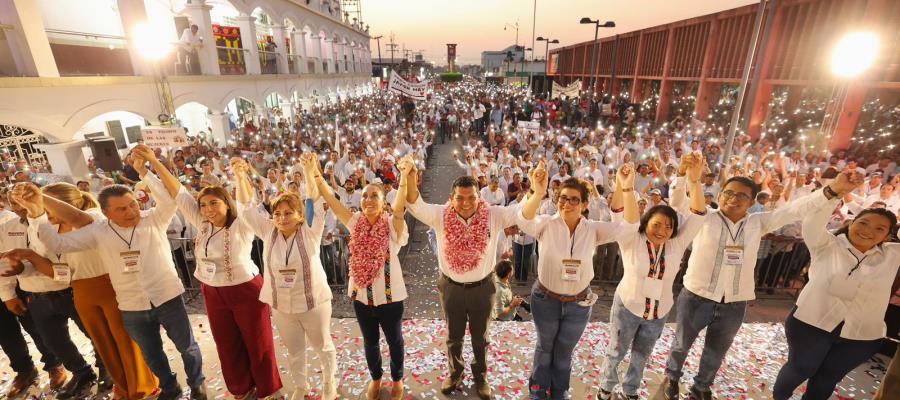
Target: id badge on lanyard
287 278
207 269
570 269
62 273
734 256
653 288
131 261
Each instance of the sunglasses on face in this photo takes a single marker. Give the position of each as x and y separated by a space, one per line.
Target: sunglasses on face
740 196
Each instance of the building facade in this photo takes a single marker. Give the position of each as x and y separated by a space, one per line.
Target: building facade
68 69
702 59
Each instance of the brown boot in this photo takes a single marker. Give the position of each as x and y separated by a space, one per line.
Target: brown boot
58 377
22 382
373 391
450 384
483 389
397 390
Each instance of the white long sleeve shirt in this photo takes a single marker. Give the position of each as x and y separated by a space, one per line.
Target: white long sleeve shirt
209 245
156 281
556 246
390 284
14 235
862 305
84 264
649 299
299 253
709 274
433 215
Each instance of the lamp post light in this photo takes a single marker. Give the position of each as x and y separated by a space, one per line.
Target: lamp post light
597 26
547 56
151 48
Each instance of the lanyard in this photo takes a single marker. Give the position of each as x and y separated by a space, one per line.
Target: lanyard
740 229
858 262
290 249
206 248
656 258
127 242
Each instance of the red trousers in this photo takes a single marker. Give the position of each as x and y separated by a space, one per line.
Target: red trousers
242 329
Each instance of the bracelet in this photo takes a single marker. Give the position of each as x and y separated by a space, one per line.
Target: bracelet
830 193
627 190
693 182
617 210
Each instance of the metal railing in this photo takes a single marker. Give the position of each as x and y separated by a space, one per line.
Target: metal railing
231 60
268 62
294 64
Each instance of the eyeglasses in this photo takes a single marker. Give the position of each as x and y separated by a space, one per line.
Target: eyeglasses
740 196
573 201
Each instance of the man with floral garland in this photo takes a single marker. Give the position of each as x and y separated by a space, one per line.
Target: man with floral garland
467 231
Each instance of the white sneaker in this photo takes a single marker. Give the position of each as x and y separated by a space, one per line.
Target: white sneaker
329 392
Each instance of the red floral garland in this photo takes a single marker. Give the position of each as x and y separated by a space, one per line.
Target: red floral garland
369 246
465 244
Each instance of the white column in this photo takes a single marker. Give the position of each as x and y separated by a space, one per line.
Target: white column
247 24
280 48
66 158
28 40
299 44
220 128
198 12
132 12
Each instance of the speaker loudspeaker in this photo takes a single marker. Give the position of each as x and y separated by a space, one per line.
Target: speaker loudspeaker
106 155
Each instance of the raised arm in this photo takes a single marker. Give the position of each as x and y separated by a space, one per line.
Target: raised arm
141 154
32 199
407 167
538 178
342 213
695 189
242 187
623 196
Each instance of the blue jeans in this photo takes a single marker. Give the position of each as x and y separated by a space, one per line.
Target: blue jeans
559 327
143 327
390 318
628 331
722 322
819 357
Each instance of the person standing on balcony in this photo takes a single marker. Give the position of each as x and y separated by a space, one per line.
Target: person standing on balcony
271 56
188 50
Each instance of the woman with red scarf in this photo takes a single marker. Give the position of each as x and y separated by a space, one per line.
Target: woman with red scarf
376 280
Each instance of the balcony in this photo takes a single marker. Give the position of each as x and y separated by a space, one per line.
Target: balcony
268 62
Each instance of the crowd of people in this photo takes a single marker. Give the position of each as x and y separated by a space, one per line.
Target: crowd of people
574 195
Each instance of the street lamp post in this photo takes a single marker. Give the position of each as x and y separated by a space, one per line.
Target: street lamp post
547 56
597 26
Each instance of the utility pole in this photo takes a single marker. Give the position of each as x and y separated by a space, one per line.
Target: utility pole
393 48
378 40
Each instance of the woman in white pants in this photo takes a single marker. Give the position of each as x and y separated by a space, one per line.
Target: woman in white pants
294 282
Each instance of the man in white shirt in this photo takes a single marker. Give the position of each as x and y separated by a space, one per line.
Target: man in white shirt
492 193
135 248
188 47
467 230
49 306
719 280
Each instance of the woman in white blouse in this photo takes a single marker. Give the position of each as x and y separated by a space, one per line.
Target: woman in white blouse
561 298
838 321
230 282
294 283
376 279
651 257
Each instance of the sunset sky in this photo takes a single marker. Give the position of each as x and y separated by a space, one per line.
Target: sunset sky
477 25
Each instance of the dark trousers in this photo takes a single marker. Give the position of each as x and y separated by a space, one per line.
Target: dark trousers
819 357
181 265
328 256
472 305
51 312
521 259
143 327
390 318
13 343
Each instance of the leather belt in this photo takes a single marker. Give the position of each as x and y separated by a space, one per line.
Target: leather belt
467 285
563 298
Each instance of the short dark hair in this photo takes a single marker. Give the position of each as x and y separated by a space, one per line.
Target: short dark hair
659 209
503 268
112 191
745 181
580 185
464 181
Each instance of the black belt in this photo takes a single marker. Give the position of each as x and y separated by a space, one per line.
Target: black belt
467 285
64 292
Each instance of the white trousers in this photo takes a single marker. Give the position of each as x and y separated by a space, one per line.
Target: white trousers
314 325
